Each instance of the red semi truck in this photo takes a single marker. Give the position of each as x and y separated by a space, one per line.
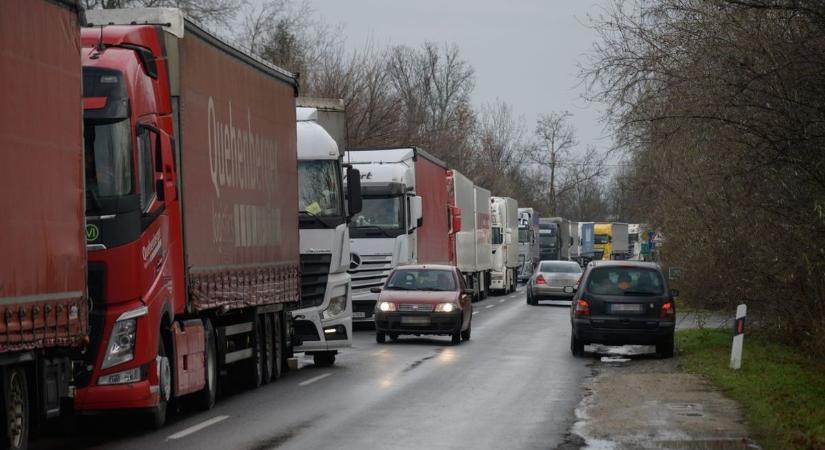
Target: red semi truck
43 297
192 225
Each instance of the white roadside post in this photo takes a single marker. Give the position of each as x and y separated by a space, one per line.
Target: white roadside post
738 337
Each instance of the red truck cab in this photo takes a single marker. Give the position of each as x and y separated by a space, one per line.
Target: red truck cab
133 219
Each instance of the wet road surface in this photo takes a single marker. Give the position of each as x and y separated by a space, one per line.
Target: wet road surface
513 385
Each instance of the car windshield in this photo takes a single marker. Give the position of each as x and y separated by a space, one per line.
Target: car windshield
386 213
624 281
422 280
319 193
560 267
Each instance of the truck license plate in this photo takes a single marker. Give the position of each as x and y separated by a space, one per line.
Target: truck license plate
415 320
358 315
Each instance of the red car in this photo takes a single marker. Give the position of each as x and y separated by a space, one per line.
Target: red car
424 299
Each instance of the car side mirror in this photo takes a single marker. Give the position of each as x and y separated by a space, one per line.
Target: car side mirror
674 292
569 290
468 291
375 290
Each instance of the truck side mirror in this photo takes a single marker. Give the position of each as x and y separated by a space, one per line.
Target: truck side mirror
415 212
353 191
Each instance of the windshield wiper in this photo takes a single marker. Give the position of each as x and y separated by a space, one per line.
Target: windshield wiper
317 218
436 289
639 293
398 288
384 232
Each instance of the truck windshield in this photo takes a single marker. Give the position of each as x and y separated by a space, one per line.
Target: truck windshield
600 239
108 158
386 213
497 237
319 191
523 235
547 240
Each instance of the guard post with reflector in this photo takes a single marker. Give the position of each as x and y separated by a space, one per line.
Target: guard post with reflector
738 337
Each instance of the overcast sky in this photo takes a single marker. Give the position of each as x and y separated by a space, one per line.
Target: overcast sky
523 51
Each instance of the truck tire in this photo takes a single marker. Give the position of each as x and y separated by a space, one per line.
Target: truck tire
253 368
268 347
324 359
279 356
15 408
205 399
157 416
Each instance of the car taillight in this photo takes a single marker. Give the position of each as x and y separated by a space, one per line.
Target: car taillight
540 280
582 308
668 311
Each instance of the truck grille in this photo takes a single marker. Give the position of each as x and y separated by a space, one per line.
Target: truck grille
415 308
372 272
314 274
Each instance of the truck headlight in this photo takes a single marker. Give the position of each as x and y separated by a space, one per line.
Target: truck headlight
121 346
337 305
446 307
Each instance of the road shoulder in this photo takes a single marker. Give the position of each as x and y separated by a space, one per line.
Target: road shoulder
641 402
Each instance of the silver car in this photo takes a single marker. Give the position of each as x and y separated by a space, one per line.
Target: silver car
550 279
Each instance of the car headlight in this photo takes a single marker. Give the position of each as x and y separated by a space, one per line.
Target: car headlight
446 307
337 305
386 306
121 343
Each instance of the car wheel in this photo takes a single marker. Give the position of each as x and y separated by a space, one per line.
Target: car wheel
457 334
465 335
380 337
665 347
576 345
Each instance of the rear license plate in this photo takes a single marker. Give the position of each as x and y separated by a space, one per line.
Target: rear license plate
358 315
415 320
624 308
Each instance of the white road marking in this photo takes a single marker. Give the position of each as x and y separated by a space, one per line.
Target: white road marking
198 427
314 379
502 300
489 306
475 312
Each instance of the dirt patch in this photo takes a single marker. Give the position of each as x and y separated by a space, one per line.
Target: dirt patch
648 403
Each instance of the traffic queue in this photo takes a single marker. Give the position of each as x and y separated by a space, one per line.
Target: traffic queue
183 218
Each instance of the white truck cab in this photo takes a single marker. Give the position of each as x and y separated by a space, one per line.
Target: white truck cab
323 320
505 251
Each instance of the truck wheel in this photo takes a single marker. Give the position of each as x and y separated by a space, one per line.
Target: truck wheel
157 417
253 368
268 366
205 399
278 357
324 359
15 408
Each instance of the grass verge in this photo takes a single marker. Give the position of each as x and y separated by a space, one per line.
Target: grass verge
781 390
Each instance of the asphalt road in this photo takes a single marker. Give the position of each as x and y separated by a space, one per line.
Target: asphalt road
513 385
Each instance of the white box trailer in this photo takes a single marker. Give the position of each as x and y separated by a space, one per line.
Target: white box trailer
505 248
619 238
575 242
471 244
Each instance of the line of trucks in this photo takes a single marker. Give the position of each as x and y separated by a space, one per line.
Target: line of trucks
151 245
